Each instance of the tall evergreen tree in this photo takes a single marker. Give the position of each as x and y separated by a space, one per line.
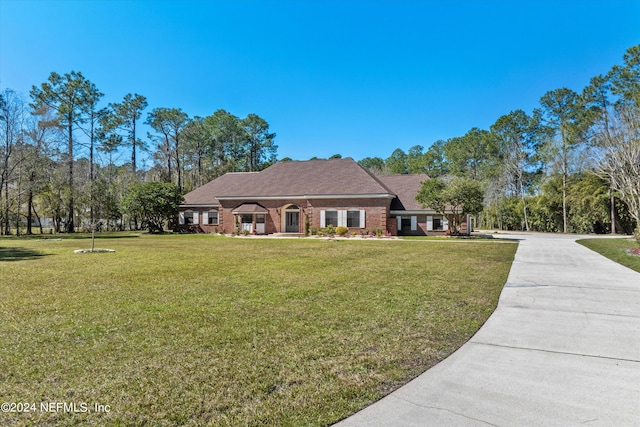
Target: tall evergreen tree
518 136
170 124
397 162
69 96
123 117
563 111
260 149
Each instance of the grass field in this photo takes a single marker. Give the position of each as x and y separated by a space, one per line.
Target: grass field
202 330
616 250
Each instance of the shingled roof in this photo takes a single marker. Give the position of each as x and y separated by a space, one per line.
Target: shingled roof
405 187
312 178
206 194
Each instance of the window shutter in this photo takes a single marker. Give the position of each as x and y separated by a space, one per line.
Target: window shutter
205 217
362 221
399 218
414 223
196 214
445 223
322 220
429 223
181 218
342 218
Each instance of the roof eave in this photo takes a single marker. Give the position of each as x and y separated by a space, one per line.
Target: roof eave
413 212
311 196
199 205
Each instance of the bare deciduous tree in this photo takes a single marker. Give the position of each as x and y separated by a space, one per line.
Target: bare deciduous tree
620 157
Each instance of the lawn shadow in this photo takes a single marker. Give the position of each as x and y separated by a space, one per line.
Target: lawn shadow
17 254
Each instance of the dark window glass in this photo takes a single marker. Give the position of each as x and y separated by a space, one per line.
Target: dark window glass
331 218
353 219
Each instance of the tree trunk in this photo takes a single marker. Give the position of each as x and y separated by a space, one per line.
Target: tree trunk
168 153
91 150
179 169
524 204
564 183
29 209
6 208
613 212
38 218
70 228
133 151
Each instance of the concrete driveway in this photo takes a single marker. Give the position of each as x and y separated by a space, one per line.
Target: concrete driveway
562 348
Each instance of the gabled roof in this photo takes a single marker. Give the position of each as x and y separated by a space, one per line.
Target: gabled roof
406 187
312 178
206 194
250 208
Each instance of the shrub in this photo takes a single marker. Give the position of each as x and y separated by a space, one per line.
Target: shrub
341 230
329 229
245 232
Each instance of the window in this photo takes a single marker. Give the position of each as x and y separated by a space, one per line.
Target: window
260 219
353 219
213 218
247 218
437 223
331 218
407 223
188 217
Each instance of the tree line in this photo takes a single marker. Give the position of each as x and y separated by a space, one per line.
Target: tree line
42 175
571 165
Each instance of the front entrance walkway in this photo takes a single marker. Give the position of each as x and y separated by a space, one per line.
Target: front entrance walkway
561 349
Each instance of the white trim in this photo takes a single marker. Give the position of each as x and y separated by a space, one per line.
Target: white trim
399 219
181 218
349 196
310 196
217 216
206 205
414 223
406 213
342 218
362 220
196 217
205 217
429 223
322 219
445 223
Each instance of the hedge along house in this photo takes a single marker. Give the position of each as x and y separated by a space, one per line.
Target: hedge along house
293 197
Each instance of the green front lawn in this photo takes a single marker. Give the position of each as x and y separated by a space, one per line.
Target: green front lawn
196 330
616 250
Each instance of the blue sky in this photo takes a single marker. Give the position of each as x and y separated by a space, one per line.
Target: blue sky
358 78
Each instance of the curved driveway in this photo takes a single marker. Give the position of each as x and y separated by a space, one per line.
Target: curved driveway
562 348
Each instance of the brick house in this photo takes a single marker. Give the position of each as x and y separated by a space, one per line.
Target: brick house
287 195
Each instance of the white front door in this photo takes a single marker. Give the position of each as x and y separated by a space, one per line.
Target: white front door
260 219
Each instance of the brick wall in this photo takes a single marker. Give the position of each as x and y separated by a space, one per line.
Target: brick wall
375 212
